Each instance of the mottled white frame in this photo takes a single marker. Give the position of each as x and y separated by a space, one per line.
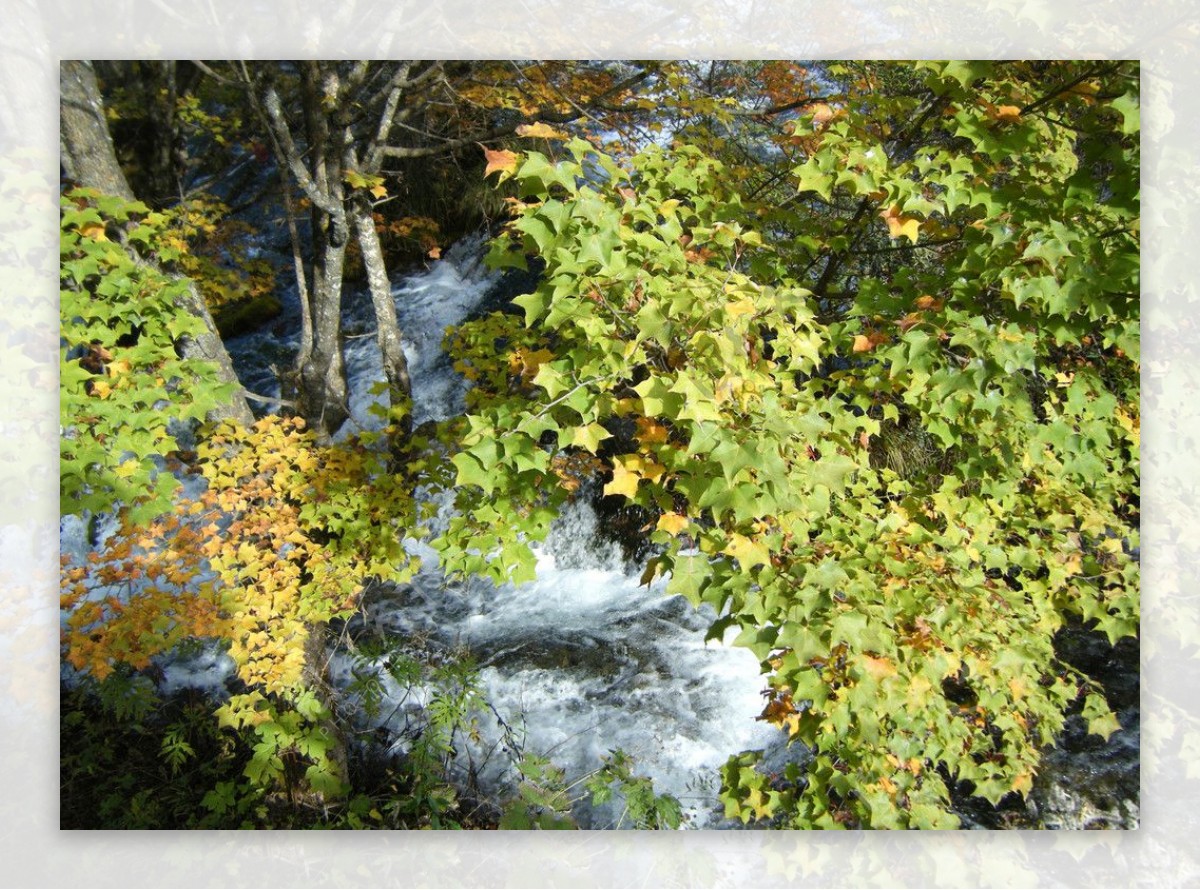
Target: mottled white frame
34 36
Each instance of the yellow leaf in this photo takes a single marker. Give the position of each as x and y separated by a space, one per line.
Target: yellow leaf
746 551
744 306
644 467
100 389
879 668
544 131
623 482
379 191
95 231
672 523
728 387
1023 783
862 343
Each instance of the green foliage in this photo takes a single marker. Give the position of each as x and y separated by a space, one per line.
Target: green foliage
644 808
973 245
545 799
122 382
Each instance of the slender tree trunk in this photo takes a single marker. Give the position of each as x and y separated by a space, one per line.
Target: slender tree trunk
89 159
387 326
162 173
323 399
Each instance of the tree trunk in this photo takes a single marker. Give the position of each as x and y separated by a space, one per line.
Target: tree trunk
323 399
89 159
88 156
387 326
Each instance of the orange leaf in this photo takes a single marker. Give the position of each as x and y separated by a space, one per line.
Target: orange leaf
899 225
821 113
1008 114
501 160
862 343
650 432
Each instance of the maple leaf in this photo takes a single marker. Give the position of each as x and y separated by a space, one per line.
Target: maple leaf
645 467
542 130
821 113
1008 114
744 306
747 551
672 523
623 482
879 668
649 431
500 160
95 231
379 191
862 343
590 436
900 225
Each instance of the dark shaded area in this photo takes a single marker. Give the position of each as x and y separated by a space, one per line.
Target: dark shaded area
1085 782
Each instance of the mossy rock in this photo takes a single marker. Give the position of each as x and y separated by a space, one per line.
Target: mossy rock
243 316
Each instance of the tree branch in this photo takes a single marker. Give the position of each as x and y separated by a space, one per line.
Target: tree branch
291 156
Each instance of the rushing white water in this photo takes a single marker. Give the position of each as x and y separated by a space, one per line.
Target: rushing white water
584 660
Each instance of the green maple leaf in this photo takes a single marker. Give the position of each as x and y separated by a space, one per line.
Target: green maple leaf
590 436
472 472
831 471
